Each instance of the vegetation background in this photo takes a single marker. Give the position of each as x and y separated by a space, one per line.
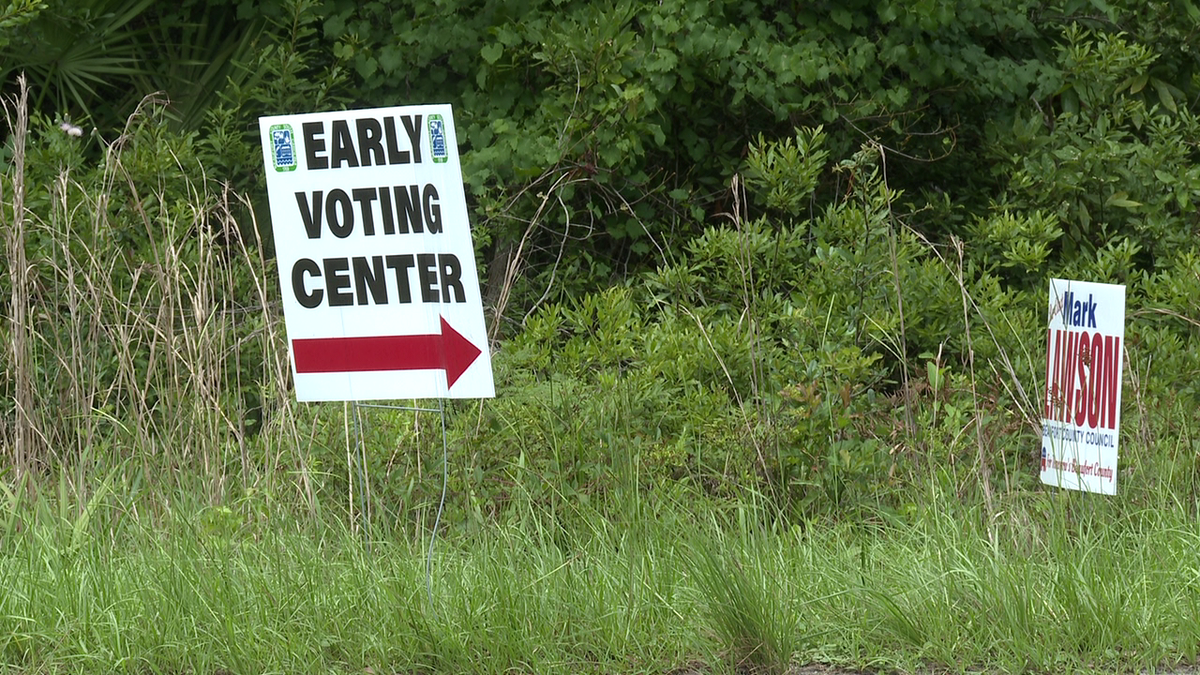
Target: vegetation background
767 286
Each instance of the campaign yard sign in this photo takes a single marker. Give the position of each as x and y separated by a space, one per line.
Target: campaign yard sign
380 292
1081 422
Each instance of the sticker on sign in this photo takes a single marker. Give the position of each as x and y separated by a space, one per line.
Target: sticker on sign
1081 419
380 291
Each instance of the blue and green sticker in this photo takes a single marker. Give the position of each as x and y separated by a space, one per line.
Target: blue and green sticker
437 139
283 147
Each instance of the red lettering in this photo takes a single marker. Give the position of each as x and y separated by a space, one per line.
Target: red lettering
1069 371
1112 381
1083 378
1057 392
1050 344
1096 391
1082 359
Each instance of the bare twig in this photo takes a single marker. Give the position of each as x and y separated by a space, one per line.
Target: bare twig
908 404
16 111
516 262
985 474
926 160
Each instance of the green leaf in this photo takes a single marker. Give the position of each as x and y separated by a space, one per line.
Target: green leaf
934 374
1136 83
1164 94
391 59
1122 200
1191 10
1070 101
335 25
365 67
491 53
79 529
842 17
899 96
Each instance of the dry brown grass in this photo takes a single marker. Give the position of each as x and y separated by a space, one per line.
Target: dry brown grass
163 354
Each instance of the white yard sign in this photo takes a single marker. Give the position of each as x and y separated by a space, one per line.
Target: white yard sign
1082 417
380 291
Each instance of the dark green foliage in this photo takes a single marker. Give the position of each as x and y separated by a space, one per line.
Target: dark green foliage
627 120
77 55
94 60
797 249
1112 172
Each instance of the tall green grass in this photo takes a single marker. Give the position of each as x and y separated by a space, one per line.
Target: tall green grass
1049 584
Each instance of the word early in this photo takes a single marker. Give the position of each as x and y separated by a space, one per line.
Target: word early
373 211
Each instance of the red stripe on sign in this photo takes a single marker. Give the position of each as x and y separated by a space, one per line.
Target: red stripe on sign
448 351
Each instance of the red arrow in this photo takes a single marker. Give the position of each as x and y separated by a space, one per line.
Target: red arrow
449 351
